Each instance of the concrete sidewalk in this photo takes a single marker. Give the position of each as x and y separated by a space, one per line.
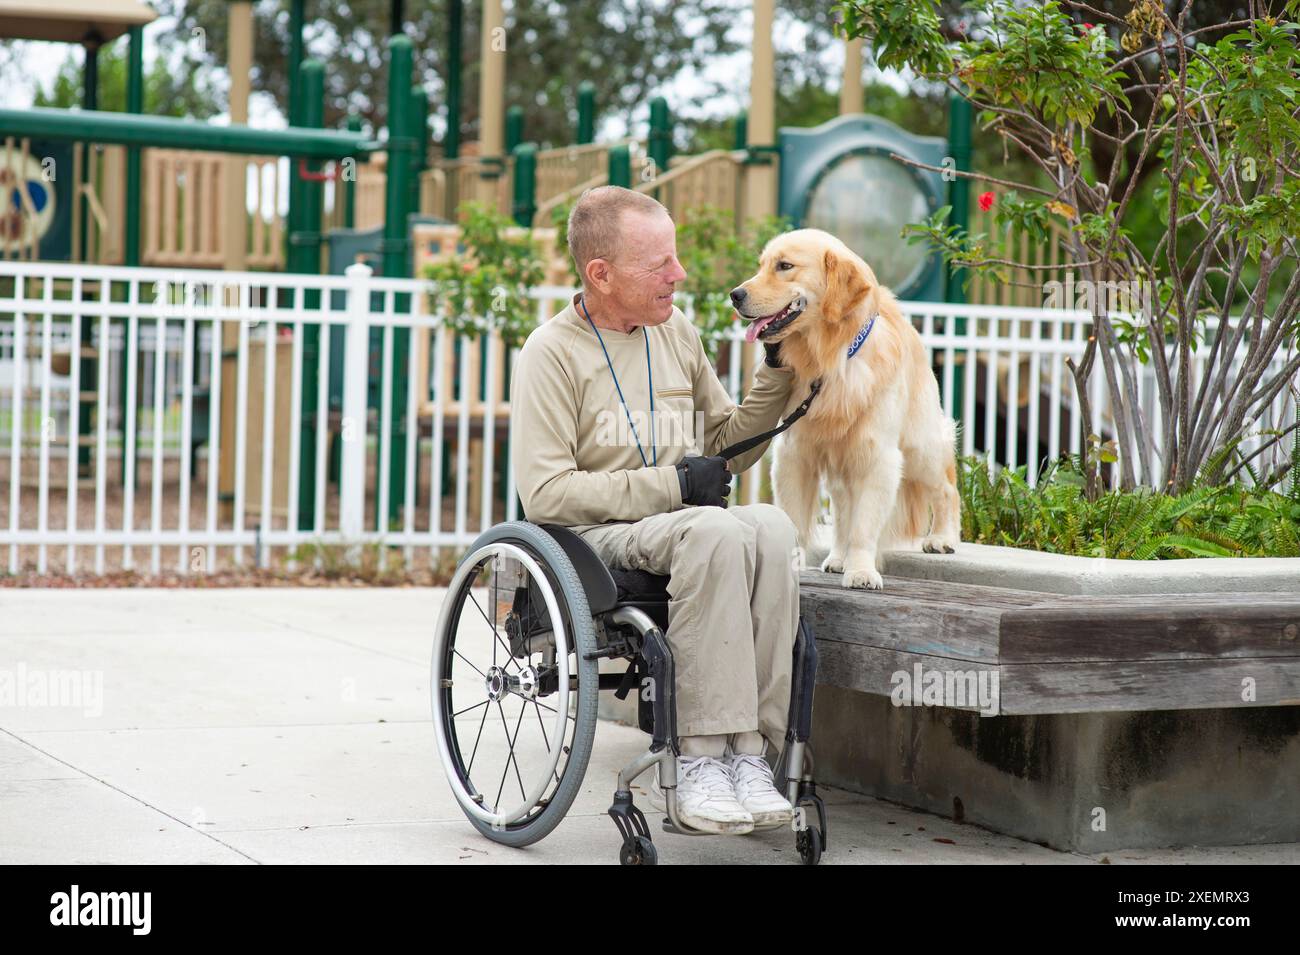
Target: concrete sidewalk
292 725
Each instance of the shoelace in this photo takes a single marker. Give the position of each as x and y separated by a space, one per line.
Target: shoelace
712 775
751 772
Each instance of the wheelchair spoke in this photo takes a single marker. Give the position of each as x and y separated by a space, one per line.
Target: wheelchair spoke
496 636
468 708
470 665
469 770
542 723
511 758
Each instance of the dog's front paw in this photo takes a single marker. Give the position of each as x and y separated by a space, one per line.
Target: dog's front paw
938 545
863 578
833 564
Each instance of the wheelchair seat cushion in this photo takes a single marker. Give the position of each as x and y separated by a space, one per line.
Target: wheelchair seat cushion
639 586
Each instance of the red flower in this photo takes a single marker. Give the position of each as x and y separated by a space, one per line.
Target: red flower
986 201
1087 26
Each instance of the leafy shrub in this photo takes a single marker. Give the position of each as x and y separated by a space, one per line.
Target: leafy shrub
999 507
486 287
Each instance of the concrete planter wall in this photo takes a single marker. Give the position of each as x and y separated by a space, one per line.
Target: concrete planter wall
1020 569
1088 781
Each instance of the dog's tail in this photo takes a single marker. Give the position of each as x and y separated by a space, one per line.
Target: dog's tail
914 515
911 518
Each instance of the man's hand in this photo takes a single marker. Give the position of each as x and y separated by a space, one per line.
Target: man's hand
704 481
773 350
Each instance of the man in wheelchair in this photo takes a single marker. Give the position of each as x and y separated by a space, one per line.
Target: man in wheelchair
618 416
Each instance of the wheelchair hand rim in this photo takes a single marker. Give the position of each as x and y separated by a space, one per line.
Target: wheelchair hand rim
468 568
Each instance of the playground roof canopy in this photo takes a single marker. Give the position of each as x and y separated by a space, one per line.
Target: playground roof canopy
71 21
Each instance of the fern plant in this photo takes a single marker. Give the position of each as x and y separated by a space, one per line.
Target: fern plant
1235 520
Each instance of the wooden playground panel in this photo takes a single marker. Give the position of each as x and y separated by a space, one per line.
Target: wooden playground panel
186 205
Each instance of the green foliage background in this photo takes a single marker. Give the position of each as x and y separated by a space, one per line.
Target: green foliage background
999 507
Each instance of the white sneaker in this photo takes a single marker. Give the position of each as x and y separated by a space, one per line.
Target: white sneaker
756 791
706 797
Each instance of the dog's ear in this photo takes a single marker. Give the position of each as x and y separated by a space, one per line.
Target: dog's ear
846 287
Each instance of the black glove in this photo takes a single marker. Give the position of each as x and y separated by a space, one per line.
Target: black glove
773 350
704 481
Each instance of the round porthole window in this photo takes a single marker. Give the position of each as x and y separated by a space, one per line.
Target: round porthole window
866 199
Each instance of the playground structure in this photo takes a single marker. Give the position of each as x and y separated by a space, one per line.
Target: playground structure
167 193
184 192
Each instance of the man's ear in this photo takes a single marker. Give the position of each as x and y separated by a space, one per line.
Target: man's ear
597 275
846 287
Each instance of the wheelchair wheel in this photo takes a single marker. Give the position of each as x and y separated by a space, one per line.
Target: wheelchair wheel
514 690
809 844
642 852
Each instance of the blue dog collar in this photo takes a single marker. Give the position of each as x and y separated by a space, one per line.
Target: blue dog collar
860 338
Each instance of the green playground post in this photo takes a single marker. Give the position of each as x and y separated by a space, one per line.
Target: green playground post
960 121
455 34
395 248
296 18
514 127
420 162
131 236
305 258
620 166
586 113
134 104
525 191
741 130
660 145
90 101
313 117
350 185
401 150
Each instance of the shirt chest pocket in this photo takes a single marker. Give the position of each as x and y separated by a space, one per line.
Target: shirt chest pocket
675 418
674 392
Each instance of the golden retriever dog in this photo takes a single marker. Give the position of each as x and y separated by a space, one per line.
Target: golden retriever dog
876 431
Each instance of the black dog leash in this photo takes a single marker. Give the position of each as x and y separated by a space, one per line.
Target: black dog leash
740 447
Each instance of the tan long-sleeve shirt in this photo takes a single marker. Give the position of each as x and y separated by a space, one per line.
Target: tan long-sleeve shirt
576 457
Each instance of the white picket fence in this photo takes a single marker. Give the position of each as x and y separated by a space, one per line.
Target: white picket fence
31 371
178 521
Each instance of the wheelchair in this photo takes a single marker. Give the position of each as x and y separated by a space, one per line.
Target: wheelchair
529 613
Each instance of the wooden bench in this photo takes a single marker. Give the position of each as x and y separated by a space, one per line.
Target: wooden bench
1122 721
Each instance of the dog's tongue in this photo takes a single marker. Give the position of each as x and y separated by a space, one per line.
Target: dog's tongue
751 333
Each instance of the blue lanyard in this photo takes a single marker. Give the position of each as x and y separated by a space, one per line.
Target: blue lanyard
649 377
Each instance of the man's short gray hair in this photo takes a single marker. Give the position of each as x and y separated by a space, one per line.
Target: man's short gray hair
594 223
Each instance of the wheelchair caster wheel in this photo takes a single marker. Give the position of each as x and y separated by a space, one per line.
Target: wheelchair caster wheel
809 844
640 851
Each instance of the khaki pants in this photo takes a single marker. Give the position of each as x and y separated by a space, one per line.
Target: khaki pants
732 616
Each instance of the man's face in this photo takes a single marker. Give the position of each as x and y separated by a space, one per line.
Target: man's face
645 272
